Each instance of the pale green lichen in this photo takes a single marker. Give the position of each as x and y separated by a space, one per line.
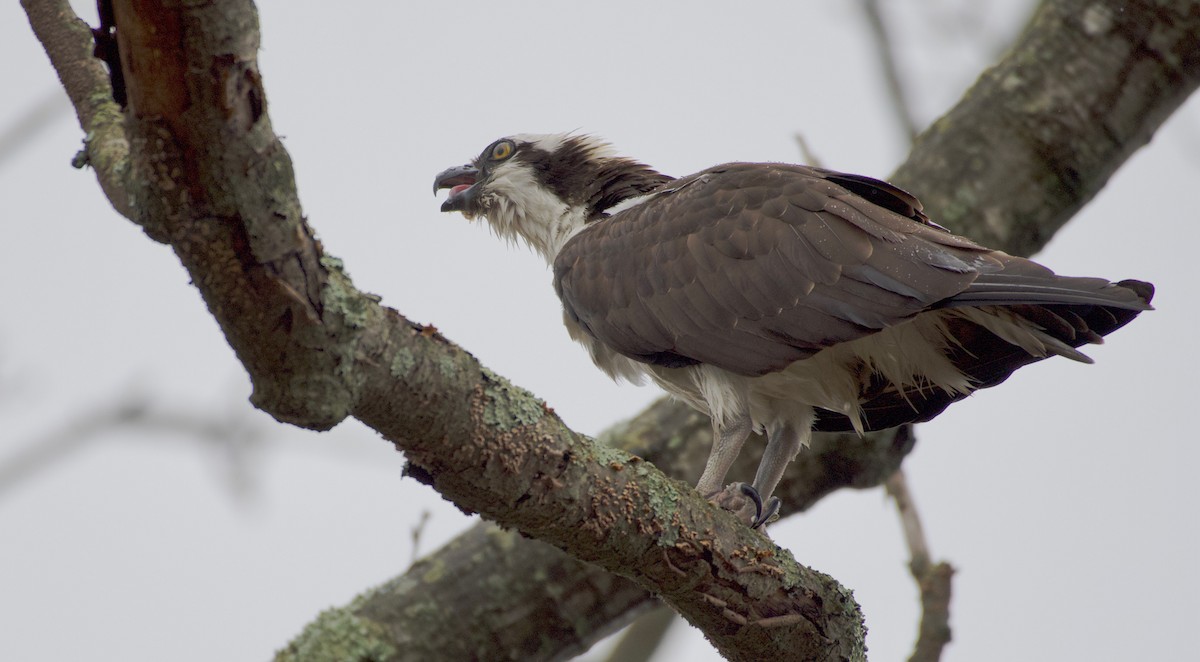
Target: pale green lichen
339 294
435 572
338 635
675 441
506 406
663 497
504 540
403 363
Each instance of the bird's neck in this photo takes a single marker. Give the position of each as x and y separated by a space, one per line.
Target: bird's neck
618 181
545 218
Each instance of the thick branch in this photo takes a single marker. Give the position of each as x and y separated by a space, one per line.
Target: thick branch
1040 133
561 595
882 41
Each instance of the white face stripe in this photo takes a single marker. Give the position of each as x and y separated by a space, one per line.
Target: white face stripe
519 207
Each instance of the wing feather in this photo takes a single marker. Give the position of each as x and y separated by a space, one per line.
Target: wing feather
751 267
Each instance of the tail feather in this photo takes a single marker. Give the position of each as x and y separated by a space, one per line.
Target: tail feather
1081 311
1002 289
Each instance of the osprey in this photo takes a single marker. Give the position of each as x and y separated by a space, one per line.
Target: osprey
773 297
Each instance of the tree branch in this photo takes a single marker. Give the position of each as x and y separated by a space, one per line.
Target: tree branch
68 43
135 413
902 109
1040 133
209 177
933 580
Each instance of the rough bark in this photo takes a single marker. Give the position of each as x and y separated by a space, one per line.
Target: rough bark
1085 86
206 174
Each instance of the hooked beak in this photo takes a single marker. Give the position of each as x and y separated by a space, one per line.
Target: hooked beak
460 180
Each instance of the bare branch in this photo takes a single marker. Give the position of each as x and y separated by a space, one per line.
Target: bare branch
807 155
932 580
417 530
642 639
910 520
36 117
891 72
935 614
233 435
68 42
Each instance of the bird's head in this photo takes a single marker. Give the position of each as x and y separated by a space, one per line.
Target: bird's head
544 188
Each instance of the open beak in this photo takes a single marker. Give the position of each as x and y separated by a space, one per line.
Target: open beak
461 182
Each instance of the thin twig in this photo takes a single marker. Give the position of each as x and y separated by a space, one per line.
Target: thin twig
233 435
417 530
910 520
807 155
37 116
933 580
887 64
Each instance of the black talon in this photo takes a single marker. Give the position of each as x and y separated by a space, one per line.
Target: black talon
753 495
764 516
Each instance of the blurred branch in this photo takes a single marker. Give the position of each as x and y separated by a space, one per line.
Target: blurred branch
417 530
39 115
932 580
882 39
643 638
233 435
807 155
933 583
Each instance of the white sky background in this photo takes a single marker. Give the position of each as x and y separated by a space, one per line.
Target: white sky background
1062 496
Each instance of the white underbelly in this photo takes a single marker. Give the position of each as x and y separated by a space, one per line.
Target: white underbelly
912 354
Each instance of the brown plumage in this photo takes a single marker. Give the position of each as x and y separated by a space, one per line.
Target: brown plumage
763 265
777 297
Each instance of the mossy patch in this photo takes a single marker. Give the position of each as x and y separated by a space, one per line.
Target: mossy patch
337 635
403 363
340 295
507 407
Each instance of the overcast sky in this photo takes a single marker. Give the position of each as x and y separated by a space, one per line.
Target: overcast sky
1063 497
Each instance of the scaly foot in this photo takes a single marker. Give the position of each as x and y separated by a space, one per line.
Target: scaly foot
744 501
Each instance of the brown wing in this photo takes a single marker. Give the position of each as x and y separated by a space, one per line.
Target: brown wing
751 267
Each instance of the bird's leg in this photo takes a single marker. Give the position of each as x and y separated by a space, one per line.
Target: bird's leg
739 498
783 443
727 443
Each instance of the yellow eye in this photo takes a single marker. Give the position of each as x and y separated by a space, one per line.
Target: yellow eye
502 150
